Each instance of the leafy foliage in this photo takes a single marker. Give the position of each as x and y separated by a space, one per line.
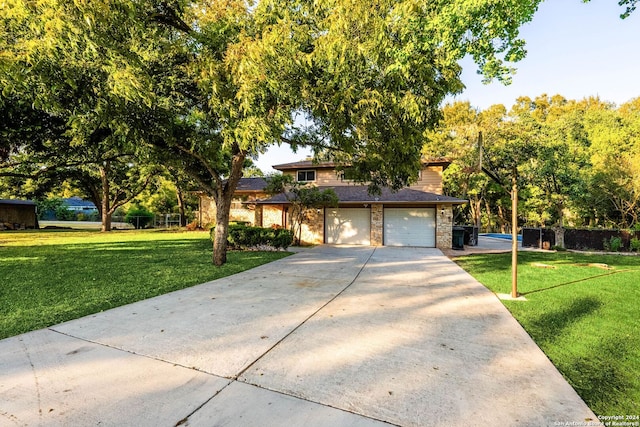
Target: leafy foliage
243 237
139 217
577 161
302 199
201 86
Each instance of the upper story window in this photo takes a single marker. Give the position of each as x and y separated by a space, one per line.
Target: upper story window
348 174
306 176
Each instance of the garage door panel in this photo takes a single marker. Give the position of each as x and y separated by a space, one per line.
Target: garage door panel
348 226
410 227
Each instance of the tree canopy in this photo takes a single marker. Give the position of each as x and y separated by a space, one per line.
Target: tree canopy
205 84
577 161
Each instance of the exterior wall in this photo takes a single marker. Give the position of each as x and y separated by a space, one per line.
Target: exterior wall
243 214
444 227
272 215
207 214
324 176
17 216
430 180
377 224
312 232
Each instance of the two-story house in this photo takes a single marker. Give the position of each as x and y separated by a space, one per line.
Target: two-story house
418 215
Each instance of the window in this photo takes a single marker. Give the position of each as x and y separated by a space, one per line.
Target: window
305 176
348 174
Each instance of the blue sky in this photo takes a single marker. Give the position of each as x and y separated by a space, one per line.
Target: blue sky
574 49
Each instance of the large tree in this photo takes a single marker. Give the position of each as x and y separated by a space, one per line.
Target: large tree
231 76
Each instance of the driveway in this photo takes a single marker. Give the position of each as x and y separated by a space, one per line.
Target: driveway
340 336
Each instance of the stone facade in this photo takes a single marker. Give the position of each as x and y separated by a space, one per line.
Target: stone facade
377 224
272 215
313 227
240 210
444 224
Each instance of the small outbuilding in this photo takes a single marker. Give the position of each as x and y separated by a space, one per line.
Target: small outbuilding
17 214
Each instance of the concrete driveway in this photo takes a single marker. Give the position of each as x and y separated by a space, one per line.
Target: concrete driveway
331 336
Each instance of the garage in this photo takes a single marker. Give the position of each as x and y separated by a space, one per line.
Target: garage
350 226
410 227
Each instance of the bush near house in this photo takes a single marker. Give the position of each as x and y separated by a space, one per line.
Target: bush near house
243 237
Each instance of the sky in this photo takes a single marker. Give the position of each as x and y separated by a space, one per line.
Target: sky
573 49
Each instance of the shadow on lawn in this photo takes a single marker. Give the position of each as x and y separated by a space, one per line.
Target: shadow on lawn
549 326
599 381
591 372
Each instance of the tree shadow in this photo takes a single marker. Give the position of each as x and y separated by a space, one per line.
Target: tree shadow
549 326
599 379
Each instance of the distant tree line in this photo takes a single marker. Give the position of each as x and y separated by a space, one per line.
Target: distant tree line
577 162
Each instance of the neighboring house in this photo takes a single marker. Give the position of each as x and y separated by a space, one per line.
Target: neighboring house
17 214
418 215
78 205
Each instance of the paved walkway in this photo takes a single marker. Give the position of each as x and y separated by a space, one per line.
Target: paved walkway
332 336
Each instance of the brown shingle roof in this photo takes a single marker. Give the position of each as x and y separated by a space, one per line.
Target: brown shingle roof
360 194
251 184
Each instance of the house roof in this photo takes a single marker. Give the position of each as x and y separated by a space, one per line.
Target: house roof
77 201
307 164
16 202
360 194
251 184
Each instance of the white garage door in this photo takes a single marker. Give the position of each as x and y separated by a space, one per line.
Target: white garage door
410 227
350 226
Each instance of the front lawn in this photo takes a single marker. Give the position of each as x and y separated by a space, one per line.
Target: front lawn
584 313
48 277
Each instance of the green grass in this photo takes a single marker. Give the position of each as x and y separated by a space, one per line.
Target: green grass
48 277
585 318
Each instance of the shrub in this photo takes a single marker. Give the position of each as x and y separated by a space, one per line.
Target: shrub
246 237
635 244
139 217
64 214
615 243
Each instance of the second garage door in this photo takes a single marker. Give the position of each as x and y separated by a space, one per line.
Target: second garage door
410 227
351 226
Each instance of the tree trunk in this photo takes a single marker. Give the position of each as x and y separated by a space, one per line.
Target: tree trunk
181 209
559 229
222 230
475 211
223 196
105 208
489 217
503 221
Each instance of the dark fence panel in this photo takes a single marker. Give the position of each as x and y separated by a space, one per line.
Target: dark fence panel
595 239
544 238
470 235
